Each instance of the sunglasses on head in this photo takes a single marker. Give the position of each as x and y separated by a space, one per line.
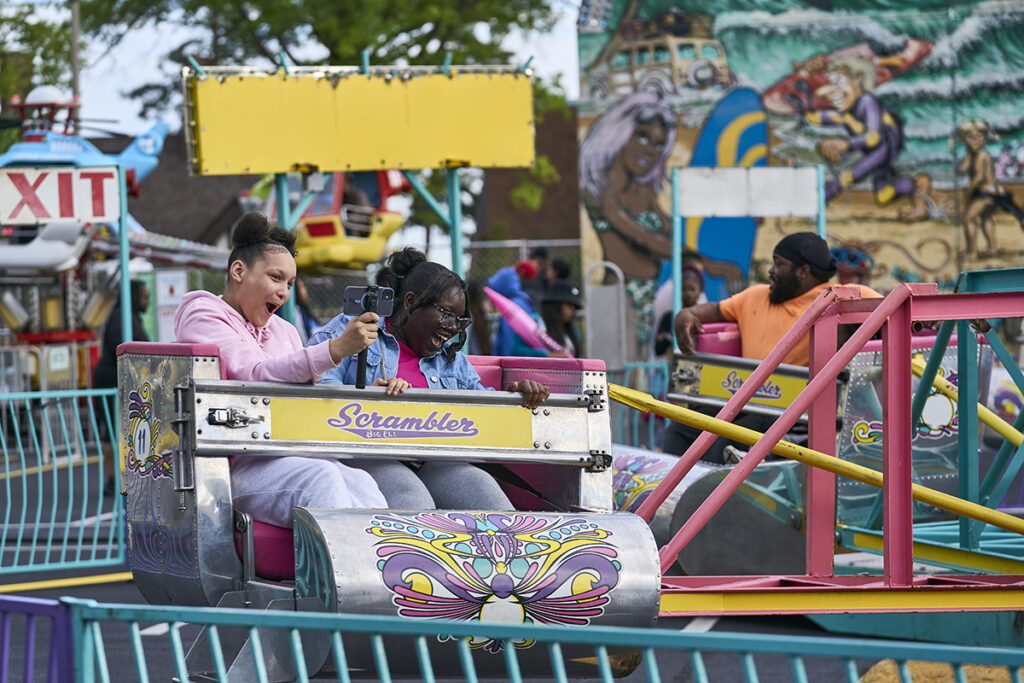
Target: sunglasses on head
451 320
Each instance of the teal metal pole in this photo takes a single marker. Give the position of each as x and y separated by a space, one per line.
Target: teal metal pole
434 205
677 257
455 215
124 256
284 219
967 419
821 201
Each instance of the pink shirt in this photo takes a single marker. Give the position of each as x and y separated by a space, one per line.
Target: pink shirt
272 353
409 367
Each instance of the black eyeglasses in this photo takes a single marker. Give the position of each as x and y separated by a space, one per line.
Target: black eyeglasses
452 320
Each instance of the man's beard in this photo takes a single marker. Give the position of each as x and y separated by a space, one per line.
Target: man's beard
783 289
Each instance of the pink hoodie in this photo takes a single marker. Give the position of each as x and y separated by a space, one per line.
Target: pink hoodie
272 353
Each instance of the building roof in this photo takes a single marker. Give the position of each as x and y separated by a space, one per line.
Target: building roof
173 202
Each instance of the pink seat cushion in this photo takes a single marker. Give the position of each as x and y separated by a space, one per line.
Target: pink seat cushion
489 369
274 550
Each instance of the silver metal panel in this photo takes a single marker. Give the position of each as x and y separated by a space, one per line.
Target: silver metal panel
179 552
564 431
575 569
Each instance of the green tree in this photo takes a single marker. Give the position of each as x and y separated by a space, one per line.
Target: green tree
34 50
314 32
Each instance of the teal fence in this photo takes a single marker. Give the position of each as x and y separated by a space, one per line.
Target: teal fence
633 427
55 513
94 624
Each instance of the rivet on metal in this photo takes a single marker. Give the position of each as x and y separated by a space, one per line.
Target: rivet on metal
253 400
547 412
266 401
255 435
536 444
266 435
547 444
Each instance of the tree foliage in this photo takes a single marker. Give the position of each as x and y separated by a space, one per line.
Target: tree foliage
34 50
319 32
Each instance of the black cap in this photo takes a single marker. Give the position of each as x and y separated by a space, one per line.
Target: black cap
563 291
806 248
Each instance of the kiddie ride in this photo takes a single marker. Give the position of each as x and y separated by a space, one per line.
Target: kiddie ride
562 557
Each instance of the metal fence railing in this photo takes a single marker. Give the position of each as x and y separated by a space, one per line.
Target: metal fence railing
633 427
55 513
87 633
35 640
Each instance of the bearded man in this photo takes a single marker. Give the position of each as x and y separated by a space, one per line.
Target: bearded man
801 268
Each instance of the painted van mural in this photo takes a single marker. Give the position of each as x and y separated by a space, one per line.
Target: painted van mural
915 109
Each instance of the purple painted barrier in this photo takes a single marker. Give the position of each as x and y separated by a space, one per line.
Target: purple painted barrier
60 640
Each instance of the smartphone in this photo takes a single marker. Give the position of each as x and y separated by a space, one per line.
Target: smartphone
358 300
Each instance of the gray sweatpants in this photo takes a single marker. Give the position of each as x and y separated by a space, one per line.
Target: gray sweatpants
437 485
268 488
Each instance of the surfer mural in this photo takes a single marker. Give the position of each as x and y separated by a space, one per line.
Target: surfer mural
877 98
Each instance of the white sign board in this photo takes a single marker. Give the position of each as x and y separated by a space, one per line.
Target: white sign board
761 191
29 196
171 286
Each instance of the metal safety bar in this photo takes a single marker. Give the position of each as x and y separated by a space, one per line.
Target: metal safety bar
91 658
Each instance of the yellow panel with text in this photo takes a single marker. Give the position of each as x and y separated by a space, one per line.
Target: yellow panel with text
249 123
398 422
723 382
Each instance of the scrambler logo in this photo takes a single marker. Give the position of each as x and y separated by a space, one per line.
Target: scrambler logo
372 425
769 390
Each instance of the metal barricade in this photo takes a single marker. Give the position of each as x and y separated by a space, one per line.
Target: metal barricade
55 514
710 656
26 622
631 427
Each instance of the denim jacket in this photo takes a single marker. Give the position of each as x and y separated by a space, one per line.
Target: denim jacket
382 361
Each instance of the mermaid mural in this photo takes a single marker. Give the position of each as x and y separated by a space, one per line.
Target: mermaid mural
622 169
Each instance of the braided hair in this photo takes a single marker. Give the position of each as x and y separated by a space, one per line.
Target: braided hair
409 270
253 236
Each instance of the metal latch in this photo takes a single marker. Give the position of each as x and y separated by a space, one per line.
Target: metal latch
595 400
232 418
599 461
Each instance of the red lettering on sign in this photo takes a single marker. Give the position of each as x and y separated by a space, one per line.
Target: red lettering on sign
65 197
29 198
96 178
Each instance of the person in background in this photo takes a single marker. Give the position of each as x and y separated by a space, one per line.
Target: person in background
558 312
693 288
257 345
105 376
305 323
802 266
535 287
421 342
480 342
509 283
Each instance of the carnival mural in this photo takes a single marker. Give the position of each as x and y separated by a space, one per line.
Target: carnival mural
915 110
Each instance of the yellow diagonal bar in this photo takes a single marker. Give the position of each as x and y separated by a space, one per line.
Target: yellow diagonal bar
646 402
947 388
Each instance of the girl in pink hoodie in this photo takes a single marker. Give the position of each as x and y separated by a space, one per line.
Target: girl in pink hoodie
259 346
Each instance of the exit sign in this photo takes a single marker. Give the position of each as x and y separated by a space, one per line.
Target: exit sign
30 196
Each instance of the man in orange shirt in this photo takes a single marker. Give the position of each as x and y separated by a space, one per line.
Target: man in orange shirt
801 268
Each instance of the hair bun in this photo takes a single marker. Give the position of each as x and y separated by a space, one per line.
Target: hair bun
252 228
401 262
